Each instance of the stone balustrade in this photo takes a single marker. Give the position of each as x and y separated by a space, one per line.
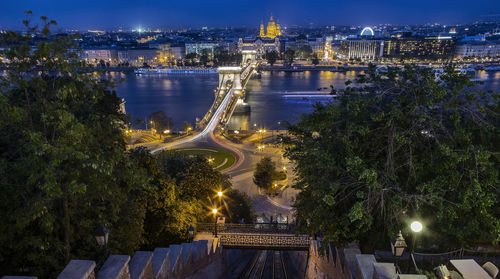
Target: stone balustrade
348 263
204 259
194 260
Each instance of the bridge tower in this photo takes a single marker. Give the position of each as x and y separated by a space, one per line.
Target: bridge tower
248 57
232 74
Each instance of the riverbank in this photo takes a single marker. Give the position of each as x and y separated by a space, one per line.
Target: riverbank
359 67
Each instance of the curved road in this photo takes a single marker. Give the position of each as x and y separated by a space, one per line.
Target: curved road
242 170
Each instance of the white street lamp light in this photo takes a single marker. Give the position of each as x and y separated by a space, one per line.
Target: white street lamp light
416 226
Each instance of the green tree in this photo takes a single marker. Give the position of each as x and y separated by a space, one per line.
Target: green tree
62 161
264 172
238 207
271 57
205 57
221 56
187 126
305 52
289 56
402 145
160 121
315 59
192 58
167 214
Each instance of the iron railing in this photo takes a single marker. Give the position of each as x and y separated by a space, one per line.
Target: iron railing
265 241
261 228
426 261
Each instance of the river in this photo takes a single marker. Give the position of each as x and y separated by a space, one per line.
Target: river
271 98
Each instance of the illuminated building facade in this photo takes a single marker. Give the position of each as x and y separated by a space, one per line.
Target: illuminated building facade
95 55
261 45
328 50
139 56
209 47
478 49
272 31
361 49
420 48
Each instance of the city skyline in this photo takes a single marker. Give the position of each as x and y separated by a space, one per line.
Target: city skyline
153 14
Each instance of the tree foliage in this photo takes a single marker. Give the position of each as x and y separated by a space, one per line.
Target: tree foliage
64 168
315 59
271 57
401 145
305 52
160 121
289 56
62 161
264 173
237 207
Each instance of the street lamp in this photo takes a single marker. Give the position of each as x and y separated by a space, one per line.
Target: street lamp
191 231
398 245
219 194
416 227
101 234
214 211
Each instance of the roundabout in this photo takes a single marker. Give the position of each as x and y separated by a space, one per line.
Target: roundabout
219 159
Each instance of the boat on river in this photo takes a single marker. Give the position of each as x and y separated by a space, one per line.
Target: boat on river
176 71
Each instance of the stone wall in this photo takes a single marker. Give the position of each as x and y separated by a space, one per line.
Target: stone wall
348 263
205 259
197 259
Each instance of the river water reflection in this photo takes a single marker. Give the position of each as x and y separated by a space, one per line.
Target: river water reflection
184 98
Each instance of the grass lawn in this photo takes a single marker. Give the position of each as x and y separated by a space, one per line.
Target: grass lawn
217 158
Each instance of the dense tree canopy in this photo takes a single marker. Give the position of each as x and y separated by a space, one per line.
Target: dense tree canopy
64 168
271 57
265 172
160 121
401 145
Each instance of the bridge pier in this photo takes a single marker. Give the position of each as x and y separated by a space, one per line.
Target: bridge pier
248 57
232 74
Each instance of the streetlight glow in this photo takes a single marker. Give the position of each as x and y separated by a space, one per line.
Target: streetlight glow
416 226
214 211
219 194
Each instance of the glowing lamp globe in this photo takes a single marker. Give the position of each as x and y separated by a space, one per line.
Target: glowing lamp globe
416 226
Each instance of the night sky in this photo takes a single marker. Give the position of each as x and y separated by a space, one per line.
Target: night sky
110 14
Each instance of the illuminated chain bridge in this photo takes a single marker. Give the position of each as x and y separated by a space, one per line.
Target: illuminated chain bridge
229 93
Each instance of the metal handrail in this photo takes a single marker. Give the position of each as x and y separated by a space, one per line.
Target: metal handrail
273 228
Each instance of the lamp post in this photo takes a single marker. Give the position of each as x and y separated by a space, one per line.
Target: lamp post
214 211
416 227
398 245
101 235
191 232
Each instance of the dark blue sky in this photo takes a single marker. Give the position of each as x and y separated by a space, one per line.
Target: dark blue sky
103 14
